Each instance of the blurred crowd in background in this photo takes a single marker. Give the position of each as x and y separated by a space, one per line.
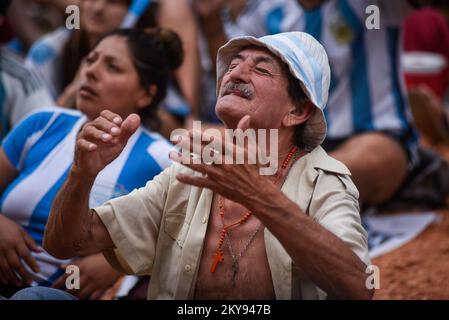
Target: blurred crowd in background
392 80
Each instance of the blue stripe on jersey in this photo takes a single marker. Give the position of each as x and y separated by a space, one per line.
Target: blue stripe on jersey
16 140
4 123
313 22
14 143
39 217
273 20
140 167
58 131
393 41
360 94
138 7
35 232
41 53
52 279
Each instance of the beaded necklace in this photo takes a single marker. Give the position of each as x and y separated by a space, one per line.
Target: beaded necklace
218 255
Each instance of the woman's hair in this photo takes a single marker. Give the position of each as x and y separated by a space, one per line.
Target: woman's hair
77 47
155 53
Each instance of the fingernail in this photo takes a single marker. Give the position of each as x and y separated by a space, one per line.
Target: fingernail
115 130
105 137
176 138
116 120
173 155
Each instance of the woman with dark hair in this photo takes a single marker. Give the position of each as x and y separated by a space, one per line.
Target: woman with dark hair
128 72
58 56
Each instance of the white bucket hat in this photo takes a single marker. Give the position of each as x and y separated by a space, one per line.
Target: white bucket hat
306 60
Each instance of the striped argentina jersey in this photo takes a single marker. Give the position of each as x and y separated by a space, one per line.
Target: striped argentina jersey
42 149
367 92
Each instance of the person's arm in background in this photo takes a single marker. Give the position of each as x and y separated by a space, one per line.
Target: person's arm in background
209 17
7 171
177 16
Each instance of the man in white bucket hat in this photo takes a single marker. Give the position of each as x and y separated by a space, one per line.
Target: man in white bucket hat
370 124
223 230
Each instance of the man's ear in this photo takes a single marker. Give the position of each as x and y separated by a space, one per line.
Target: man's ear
145 97
296 115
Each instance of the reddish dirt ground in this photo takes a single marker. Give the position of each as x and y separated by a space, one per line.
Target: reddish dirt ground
420 268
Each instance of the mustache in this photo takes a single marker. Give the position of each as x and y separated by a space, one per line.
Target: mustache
244 88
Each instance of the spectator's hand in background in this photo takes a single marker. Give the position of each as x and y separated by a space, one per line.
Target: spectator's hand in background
96 277
15 250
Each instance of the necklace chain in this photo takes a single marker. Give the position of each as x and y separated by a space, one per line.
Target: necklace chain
235 258
224 234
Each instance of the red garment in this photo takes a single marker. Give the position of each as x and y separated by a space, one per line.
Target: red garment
428 30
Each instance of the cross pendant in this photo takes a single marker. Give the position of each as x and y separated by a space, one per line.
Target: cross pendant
218 257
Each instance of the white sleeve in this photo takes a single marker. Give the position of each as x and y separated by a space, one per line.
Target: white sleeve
24 98
335 207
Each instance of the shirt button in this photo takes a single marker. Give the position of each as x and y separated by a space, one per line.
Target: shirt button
204 220
188 268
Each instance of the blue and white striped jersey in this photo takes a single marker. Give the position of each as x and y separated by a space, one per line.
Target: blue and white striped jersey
42 149
367 92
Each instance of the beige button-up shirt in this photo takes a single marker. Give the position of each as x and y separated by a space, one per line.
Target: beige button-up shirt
159 229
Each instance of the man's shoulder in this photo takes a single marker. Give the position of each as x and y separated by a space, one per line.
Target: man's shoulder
318 159
326 174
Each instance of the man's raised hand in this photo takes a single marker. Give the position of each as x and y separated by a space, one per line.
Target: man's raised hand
102 140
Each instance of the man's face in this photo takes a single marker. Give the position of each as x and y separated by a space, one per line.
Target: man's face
255 84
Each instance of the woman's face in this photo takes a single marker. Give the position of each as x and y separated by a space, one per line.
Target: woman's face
101 16
109 80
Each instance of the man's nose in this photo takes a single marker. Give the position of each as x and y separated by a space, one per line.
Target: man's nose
241 72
